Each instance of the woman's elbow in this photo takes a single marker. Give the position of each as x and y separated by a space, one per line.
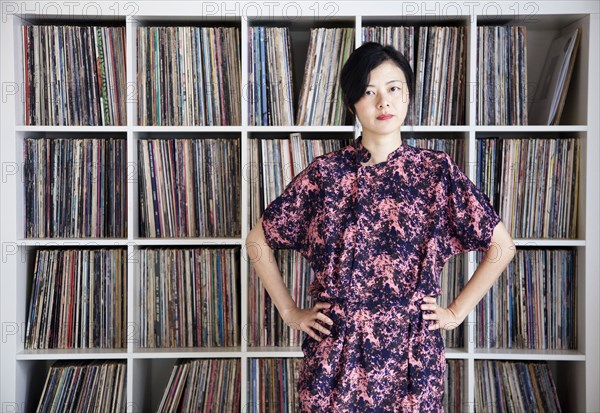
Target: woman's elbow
503 247
256 235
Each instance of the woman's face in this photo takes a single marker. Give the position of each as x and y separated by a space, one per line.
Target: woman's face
386 94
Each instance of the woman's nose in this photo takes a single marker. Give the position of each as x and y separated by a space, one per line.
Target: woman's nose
382 102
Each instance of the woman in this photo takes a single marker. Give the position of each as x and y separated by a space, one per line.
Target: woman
377 221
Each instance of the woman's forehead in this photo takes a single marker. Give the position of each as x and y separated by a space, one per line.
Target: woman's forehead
386 72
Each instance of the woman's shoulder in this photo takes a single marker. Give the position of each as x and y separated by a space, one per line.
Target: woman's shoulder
432 154
331 159
318 166
432 160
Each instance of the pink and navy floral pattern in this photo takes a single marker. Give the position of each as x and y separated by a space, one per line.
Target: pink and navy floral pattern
377 237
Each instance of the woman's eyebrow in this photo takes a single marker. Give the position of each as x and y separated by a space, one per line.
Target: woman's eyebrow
391 81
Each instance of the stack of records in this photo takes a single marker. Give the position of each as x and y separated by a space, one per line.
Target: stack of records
271 87
533 183
440 76
321 95
188 297
454 386
205 385
273 384
533 304
189 187
501 75
85 386
74 75
78 300
189 76
514 386
75 188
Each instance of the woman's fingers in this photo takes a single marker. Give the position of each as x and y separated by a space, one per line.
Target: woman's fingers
311 331
313 334
323 304
321 328
431 316
441 317
322 317
307 320
429 303
434 326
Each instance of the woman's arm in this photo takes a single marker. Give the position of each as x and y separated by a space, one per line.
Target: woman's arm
263 260
265 265
497 257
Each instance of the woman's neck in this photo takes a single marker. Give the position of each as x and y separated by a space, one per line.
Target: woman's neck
380 147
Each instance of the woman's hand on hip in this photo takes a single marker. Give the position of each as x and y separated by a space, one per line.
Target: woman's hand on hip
444 317
307 319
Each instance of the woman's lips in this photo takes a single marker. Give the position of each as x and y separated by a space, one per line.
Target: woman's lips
385 117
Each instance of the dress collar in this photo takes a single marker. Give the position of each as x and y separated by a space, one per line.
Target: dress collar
363 154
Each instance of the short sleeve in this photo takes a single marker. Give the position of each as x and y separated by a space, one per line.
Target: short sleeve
468 218
286 220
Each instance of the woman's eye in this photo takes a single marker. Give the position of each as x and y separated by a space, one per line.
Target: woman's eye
395 88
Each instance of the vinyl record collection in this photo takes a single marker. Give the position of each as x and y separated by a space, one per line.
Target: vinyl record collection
266 327
74 75
271 95
189 187
436 55
501 75
203 385
321 95
85 386
188 76
75 188
532 183
273 385
533 304
452 281
454 386
440 76
78 299
189 297
514 386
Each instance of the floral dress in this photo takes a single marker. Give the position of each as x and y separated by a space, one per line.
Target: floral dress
377 237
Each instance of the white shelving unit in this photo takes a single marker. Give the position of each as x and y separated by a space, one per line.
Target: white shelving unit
23 372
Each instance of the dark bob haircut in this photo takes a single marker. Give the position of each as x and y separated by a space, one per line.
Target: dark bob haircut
354 76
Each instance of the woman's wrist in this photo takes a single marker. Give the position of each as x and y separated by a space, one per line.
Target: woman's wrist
286 311
458 315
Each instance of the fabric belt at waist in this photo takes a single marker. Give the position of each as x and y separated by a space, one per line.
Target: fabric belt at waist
410 303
